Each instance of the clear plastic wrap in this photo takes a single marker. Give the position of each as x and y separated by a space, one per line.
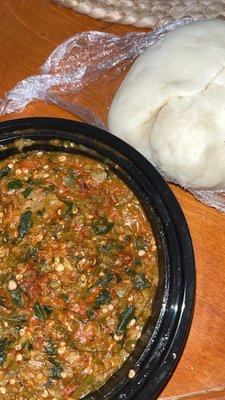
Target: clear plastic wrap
84 63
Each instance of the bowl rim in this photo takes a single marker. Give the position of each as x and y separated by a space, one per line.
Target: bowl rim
180 310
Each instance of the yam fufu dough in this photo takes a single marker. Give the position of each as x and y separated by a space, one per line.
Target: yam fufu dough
171 105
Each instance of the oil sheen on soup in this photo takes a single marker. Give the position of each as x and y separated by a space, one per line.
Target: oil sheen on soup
78 274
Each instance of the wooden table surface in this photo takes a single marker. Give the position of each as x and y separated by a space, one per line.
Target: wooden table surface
29 31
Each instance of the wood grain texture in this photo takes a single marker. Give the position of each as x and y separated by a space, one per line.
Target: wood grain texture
209 395
29 31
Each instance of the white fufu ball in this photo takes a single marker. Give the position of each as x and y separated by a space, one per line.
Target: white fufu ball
171 105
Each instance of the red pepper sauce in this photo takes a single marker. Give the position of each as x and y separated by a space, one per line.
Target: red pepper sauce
78 274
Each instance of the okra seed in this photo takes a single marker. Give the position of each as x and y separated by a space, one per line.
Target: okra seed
59 267
62 158
141 253
132 322
118 338
19 357
12 285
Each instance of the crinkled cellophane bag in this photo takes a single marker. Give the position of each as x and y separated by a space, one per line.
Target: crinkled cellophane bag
83 64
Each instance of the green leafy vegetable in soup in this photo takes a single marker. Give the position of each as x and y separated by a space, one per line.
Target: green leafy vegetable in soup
78 275
25 224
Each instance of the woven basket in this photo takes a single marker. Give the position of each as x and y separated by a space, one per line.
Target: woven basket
146 13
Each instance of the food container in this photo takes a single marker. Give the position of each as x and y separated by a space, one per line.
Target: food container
165 333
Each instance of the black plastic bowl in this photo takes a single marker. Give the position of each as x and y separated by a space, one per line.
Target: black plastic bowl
164 336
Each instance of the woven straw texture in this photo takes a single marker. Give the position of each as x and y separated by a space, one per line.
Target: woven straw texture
146 13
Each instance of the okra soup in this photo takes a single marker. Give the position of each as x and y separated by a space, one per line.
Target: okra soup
78 273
